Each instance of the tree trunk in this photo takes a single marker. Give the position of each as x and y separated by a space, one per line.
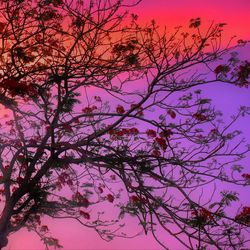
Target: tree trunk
3 240
4 219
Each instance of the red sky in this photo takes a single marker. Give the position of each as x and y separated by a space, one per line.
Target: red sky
179 12
170 13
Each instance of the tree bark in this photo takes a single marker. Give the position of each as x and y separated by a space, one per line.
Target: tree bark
3 240
4 222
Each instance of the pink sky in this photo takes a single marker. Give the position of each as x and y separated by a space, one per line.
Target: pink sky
169 13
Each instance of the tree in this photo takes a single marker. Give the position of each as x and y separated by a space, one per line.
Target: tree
101 110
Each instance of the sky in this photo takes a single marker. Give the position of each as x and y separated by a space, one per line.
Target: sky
170 13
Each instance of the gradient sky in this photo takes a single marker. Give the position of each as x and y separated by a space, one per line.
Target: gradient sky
226 98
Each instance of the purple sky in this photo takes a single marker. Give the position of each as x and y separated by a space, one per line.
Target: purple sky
226 98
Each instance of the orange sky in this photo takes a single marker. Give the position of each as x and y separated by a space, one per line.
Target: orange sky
178 12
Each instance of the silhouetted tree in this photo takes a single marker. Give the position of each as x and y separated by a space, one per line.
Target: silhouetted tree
101 110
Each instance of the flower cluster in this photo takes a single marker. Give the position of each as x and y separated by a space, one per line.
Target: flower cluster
199 117
203 214
161 142
244 216
110 198
151 133
89 109
85 215
244 73
221 69
166 133
138 109
135 200
163 134
77 197
2 26
171 113
246 176
16 87
120 110
117 134
65 178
